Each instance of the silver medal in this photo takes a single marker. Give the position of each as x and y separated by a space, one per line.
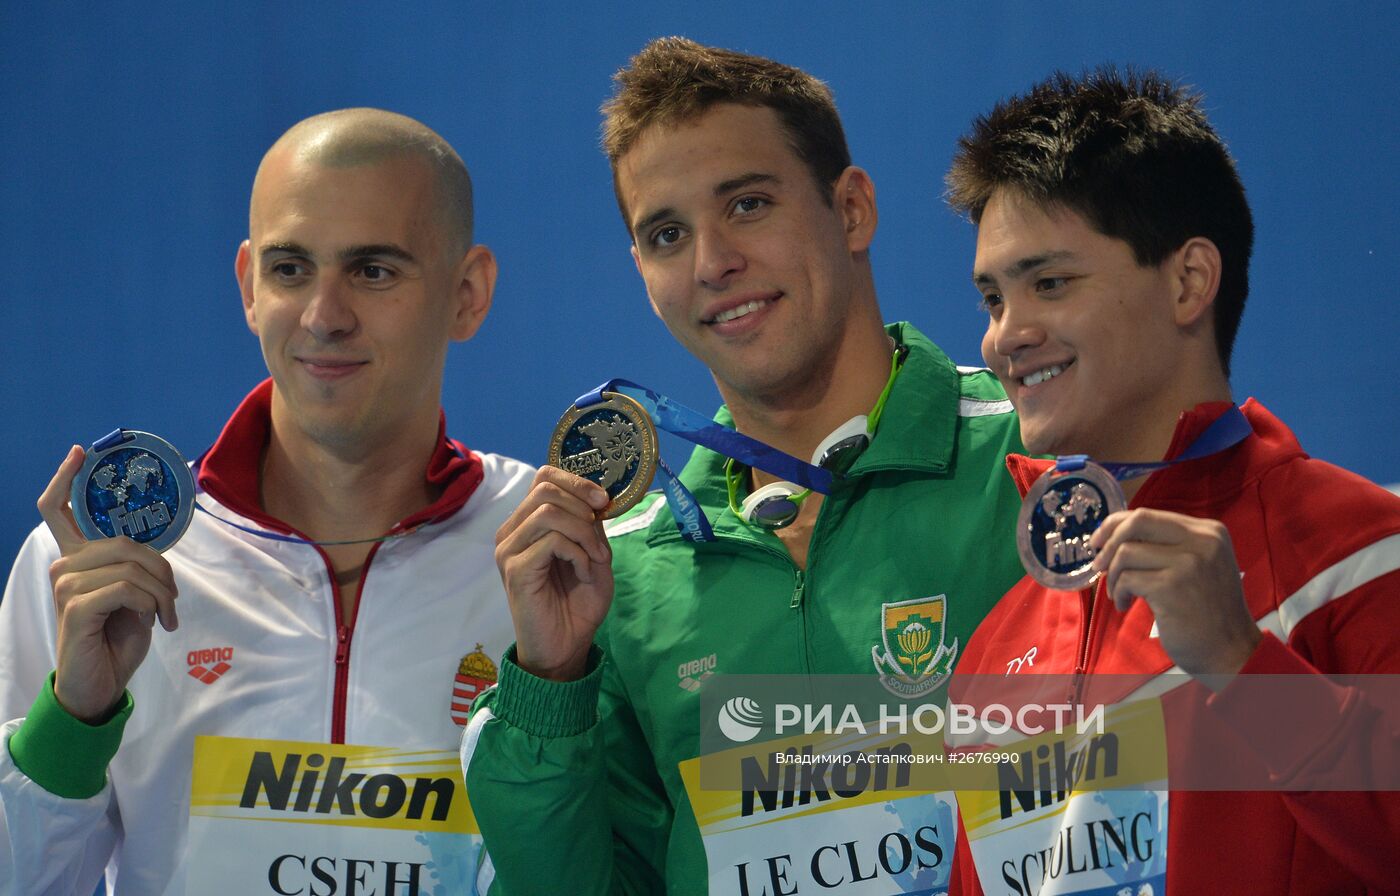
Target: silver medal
1059 514
134 484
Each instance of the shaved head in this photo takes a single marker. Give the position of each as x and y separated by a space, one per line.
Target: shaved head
351 137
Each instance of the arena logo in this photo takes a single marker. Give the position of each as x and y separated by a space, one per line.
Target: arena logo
692 674
209 664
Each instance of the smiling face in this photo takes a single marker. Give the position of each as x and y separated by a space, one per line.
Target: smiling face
354 291
1088 343
746 262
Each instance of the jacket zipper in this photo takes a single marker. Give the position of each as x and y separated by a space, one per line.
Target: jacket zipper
800 576
798 588
1081 663
344 633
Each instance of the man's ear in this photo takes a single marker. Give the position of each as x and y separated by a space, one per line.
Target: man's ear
854 197
1196 267
243 270
476 282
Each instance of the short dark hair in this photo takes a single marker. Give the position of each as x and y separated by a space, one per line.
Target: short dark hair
1131 152
673 80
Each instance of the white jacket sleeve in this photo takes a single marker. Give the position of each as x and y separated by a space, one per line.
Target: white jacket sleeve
48 844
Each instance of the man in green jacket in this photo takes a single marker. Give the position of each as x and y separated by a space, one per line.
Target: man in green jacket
751 230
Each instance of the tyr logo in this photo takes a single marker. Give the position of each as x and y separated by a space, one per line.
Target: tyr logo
1027 659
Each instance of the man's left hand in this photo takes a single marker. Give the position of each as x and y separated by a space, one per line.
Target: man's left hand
1185 568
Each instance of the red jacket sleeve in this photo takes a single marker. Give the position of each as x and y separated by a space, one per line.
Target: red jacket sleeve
1314 731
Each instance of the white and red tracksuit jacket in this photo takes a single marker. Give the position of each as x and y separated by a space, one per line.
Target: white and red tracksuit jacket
1319 549
262 651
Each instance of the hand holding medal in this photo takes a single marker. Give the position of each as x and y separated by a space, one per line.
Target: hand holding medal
108 592
1184 569
1074 527
552 552
1067 504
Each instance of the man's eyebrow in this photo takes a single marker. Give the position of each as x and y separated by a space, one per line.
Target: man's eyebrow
352 253
376 250
270 249
1020 267
744 180
660 214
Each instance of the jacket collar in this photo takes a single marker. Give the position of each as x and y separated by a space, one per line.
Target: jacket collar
231 470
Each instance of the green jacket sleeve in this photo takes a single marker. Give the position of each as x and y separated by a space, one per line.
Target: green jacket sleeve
564 787
66 757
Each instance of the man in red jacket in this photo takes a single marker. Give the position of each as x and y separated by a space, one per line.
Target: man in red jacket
1112 255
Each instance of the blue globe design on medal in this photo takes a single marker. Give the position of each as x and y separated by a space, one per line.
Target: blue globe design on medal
133 492
1069 511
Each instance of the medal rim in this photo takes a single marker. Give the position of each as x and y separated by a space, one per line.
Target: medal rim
1059 581
646 470
180 469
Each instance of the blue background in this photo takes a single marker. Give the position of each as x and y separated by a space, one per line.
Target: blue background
132 133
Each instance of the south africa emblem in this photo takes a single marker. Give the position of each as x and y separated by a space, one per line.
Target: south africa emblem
611 443
915 659
134 484
475 673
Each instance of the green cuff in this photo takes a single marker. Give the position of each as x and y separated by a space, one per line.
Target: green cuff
66 757
549 708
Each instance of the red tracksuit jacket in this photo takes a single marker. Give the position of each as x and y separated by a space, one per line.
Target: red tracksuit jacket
1319 549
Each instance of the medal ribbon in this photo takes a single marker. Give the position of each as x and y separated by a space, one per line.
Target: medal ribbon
695 427
1228 430
110 440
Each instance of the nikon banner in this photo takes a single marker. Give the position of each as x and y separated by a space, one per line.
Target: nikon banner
867 837
1035 830
283 817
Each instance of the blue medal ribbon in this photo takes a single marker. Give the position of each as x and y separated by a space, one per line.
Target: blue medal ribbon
110 440
1228 430
695 427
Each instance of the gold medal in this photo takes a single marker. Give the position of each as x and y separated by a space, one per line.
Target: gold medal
611 443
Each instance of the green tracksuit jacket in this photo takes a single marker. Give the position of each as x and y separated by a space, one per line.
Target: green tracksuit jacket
576 787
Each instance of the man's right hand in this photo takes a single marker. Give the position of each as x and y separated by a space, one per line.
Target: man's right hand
107 594
557 569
